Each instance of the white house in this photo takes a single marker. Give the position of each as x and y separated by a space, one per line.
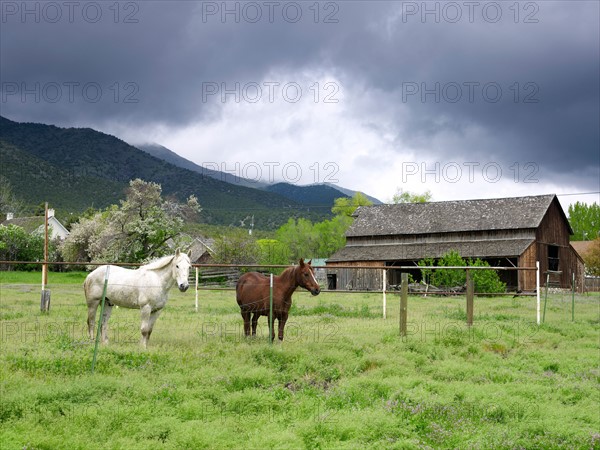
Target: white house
35 224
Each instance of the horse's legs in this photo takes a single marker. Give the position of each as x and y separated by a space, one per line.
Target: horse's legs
281 325
255 318
145 312
246 317
91 321
107 311
148 319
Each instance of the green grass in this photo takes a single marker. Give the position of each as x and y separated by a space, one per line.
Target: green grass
343 377
35 277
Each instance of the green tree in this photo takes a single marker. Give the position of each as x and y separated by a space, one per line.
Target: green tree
272 252
402 196
236 247
585 221
426 273
449 277
300 238
345 206
331 235
483 280
486 280
18 245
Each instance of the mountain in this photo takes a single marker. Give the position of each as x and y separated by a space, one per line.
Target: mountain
315 195
350 193
80 167
35 180
320 194
171 157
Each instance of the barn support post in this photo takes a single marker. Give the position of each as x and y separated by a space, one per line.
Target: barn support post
384 293
101 317
403 303
196 289
537 291
271 336
470 296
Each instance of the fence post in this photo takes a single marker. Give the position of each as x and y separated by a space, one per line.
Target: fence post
403 303
470 295
45 299
196 289
271 337
573 298
546 297
384 295
537 291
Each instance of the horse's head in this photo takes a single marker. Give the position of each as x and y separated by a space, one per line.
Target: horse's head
181 270
305 277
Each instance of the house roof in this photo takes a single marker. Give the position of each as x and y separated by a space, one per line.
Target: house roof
29 224
452 216
582 247
467 249
36 224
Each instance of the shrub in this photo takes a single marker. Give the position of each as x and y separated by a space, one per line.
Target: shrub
486 280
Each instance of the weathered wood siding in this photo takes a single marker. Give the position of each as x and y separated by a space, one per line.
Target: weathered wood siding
359 279
433 238
527 277
554 231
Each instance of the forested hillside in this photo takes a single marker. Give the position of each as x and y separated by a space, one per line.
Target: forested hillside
75 168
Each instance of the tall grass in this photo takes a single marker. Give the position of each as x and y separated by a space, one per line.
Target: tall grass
343 377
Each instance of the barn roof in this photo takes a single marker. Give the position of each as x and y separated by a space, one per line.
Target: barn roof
453 216
468 249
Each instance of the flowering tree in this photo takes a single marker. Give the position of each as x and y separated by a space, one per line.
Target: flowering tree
135 231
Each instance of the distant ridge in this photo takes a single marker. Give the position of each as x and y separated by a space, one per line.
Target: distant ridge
170 156
318 194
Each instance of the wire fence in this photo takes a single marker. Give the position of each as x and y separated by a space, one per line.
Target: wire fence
219 301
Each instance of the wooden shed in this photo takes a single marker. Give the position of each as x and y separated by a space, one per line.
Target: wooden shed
505 232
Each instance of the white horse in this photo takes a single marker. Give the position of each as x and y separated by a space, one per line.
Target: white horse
145 288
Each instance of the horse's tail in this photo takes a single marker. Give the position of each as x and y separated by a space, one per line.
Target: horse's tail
87 284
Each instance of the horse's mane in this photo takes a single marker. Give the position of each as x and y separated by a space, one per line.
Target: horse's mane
288 271
159 263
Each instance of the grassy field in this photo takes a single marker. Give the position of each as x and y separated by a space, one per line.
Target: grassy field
343 377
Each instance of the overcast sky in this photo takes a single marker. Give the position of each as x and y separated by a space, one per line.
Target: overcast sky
465 99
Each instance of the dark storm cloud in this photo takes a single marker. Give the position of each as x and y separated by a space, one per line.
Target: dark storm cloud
524 75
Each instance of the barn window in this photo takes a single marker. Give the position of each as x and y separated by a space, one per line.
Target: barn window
553 257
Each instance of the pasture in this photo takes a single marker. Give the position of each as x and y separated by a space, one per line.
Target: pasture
342 378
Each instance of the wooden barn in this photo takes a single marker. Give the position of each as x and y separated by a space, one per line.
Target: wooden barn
505 232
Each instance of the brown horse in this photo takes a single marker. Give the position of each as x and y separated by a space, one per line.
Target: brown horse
252 294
